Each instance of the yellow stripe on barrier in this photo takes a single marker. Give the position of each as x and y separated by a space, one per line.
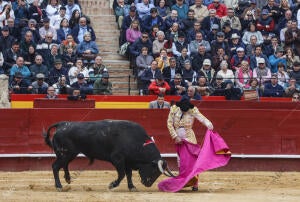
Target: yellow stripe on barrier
21 104
122 105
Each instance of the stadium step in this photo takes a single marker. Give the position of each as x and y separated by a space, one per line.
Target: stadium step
104 24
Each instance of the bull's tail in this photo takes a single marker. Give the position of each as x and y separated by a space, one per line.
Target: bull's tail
46 135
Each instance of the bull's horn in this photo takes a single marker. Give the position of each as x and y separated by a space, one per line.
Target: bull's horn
160 166
170 172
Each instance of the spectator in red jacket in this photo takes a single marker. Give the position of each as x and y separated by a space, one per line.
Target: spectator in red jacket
159 86
220 8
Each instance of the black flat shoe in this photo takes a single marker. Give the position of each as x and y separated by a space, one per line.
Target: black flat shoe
194 188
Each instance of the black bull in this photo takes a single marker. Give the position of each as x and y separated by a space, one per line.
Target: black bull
125 144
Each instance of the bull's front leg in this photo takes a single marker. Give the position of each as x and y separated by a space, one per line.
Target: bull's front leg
131 187
119 163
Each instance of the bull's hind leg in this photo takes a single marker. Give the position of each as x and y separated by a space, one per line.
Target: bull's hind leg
56 166
128 171
119 163
67 176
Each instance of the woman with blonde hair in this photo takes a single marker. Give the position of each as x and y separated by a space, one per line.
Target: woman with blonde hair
163 60
243 76
133 32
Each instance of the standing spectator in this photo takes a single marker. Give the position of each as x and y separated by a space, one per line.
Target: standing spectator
6 39
79 30
18 85
57 72
39 67
61 86
39 86
103 86
71 7
10 56
201 10
273 89
96 70
20 67
159 103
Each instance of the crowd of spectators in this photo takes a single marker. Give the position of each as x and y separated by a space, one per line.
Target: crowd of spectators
50 43
212 47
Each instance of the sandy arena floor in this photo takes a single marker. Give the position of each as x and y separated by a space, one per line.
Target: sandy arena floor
92 186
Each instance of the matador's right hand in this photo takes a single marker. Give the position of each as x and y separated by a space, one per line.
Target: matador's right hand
178 140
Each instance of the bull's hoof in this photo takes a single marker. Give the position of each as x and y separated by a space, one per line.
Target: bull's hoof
68 180
59 189
112 185
133 189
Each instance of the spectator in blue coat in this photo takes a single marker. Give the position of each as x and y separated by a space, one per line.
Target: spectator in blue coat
79 30
273 89
153 19
276 58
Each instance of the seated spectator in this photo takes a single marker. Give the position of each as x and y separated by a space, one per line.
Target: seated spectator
220 42
212 35
197 42
143 62
56 19
1 63
220 8
149 76
133 32
296 72
14 30
144 8
265 23
10 56
283 77
31 26
61 86
193 94
270 48
209 21
278 57
153 32
201 10
6 13
71 7
243 76
249 18
74 20
295 97
252 30
262 73
53 55
44 47
171 19
291 88
29 57
233 20
103 86
82 84
173 32
67 43
218 58
238 58
79 30
224 72
35 11
202 86
199 57
181 59
20 11
6 39
76 95
181 8
228 31
207 71
136 48
258 54
235 43
178 86
153 19
191 34
189 21
20 67
188 74
218 87
57 72
231 92
51 94
121 10
39 86
159 86
75 70
19 86
69 57
177 46
39 67
64 30
160 43
170 71
273 89
159 103
87 49
163 60
26 42
96 70
290 59
163 9
47 28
